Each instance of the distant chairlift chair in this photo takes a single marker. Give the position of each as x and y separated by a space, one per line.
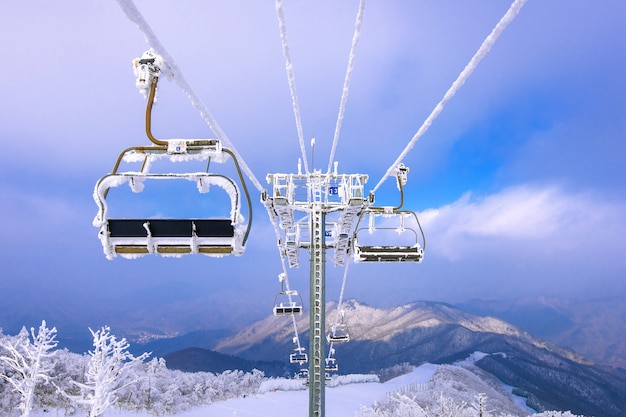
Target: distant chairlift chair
412 251
408 241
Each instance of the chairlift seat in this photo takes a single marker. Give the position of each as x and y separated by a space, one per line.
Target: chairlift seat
338 338
331 365
287 303
292 308
338 334
209 228
171 236
298 356
388 253
135 237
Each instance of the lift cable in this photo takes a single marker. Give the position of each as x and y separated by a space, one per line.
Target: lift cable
346 84
338 312
296 337
343 287
291 79
135 16
463 76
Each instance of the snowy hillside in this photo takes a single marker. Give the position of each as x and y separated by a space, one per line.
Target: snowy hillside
38 378
430 385
549 376
369 323
594 328
35 375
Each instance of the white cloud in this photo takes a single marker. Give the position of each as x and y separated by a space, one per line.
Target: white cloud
530 219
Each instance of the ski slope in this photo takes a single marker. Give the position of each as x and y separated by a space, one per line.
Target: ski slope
343 400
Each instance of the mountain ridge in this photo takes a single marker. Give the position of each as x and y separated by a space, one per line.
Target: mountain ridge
373 324
550 377
594 328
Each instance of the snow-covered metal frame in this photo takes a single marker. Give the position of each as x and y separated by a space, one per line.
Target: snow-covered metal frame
341 196
329 202
136 237
287 303
405 227
398 222
298 356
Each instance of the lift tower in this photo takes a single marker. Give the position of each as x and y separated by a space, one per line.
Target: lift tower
330 202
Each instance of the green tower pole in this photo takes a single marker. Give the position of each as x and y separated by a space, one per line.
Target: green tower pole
317 330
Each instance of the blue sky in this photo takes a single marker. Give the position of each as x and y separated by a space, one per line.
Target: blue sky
519 183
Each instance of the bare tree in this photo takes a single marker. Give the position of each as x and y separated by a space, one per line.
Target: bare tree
110 370
28 361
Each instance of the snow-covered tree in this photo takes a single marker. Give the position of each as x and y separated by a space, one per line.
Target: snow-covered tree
68 367
480 405
110 369
29 362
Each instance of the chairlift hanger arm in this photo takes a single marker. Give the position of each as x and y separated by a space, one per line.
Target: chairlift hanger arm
149 105
245 191
161 146
401 179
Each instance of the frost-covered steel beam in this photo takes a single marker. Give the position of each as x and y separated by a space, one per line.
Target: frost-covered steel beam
341 196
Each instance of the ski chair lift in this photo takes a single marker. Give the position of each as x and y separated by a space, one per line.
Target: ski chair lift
135 237
331 362
303 373
331 365
298 356
338 333
284 305
287 302
404 222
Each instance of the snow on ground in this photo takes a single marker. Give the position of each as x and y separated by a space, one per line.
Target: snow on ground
517 400
341 401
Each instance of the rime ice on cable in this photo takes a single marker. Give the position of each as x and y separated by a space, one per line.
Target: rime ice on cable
132 237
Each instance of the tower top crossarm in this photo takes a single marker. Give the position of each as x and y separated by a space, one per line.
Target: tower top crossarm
334 191
340 194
